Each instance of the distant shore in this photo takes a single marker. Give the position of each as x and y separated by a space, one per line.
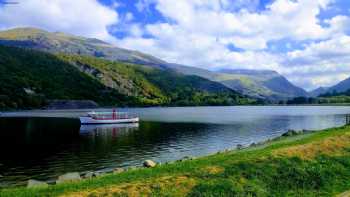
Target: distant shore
87 104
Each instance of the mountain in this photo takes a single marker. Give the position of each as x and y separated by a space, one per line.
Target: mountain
262 84
318 91
58 42
258 84
31 79
342 86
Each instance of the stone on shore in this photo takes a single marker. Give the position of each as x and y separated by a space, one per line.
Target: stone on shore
99 173
88 175
68 177
149 164
291 133
118 170
35 183
239 146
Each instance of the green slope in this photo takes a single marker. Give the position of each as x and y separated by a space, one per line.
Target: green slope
154 86
30 78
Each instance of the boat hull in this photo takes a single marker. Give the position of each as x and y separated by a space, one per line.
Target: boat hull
89 120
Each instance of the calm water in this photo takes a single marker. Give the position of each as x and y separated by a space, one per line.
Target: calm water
37 145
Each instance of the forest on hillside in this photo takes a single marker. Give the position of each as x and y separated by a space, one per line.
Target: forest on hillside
30 79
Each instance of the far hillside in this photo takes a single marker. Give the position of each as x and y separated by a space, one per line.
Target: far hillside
267 85
337 94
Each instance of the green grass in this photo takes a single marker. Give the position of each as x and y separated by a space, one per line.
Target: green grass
316 164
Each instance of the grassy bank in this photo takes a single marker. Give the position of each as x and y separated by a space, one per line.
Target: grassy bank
314 164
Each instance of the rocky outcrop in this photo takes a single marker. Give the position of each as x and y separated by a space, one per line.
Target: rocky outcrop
118 170
149 164
239 146
88 175
291 133
68 177
35 183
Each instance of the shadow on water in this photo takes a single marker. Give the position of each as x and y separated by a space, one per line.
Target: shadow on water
21 134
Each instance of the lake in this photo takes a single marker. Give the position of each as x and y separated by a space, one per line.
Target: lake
44 144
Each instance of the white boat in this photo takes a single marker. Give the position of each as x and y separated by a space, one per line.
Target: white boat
108 118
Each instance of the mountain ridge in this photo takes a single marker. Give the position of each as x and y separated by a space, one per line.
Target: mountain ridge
340 87
66 43
318 91
261 84
251 84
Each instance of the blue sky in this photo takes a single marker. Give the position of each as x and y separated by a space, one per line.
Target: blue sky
306 40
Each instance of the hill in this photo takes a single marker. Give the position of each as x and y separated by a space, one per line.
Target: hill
262 84
58 42
29 78
32 78
318 91
340 88
271 85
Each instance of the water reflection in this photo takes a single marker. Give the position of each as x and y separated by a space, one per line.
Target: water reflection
116 129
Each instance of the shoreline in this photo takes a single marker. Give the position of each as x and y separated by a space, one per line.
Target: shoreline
289 138
170 106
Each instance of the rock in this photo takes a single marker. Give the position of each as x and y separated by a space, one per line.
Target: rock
107 170
187 158
239 146
98 173
88 175
118 170
51 181
35 183
290 133
149 164
71 176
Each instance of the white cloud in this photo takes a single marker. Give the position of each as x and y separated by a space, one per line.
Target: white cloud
321 63
282 19
199 32
81 17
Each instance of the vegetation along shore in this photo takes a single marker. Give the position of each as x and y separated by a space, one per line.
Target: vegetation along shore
295 164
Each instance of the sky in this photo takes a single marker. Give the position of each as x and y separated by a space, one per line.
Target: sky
308 41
